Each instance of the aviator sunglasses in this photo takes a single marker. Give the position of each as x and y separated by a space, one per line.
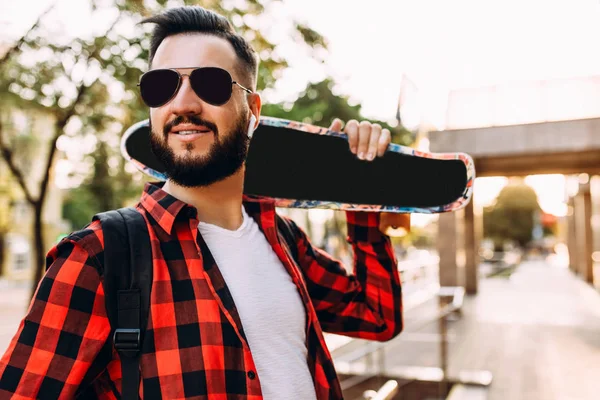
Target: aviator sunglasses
211 84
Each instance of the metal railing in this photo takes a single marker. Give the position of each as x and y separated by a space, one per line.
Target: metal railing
386 392
373 353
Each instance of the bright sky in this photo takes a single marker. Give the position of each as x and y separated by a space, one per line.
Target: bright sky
440 45
444 45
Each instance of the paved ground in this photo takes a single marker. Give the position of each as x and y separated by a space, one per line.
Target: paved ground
13 305
537 332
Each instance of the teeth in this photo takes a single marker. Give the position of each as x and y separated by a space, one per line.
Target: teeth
188 132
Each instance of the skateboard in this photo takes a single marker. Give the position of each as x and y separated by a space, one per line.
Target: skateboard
300 165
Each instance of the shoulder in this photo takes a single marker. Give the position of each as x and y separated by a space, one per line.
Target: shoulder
90 238
87 242
284 223
290 231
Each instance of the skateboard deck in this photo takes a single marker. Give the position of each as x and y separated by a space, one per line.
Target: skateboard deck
306 166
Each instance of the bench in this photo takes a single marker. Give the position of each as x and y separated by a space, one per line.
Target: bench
461 391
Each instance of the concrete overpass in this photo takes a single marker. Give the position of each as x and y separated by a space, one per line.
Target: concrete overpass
564 147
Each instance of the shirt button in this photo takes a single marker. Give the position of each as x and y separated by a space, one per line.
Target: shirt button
251 374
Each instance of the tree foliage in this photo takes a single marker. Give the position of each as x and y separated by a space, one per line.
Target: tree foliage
512 217
318 105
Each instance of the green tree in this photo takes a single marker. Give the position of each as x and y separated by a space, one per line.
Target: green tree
107 188
318 105
512 216
90 85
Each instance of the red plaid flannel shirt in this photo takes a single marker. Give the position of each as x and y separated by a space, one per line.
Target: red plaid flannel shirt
195 346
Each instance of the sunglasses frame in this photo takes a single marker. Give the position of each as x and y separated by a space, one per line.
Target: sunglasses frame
193 69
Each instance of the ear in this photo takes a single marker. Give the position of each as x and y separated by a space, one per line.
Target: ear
255 105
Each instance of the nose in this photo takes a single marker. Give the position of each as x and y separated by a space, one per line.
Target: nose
186 101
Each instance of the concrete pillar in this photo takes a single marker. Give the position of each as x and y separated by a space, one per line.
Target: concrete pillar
585 240
588 263
471 242
446 246
572 236
595 193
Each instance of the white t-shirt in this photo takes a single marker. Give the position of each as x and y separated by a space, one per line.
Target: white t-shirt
269 305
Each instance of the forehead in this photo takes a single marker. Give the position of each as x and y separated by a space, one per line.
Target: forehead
194 50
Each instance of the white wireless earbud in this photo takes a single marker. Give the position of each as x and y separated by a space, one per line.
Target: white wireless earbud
251 125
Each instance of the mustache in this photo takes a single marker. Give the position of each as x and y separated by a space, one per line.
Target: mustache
189 119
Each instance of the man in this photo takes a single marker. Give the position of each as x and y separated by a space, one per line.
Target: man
232 315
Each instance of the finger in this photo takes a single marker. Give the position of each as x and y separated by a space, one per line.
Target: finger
384 142
364 133
336 125
373 141
352 132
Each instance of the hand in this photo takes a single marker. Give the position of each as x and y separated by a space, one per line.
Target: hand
367 140
393 224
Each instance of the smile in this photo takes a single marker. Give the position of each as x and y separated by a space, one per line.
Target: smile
193 132
190 129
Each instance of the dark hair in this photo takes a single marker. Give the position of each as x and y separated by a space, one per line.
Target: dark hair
195 19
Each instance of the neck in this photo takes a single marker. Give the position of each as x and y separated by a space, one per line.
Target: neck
219 204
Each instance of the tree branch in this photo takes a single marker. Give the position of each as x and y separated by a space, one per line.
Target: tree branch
7 155
64 118
61 122
20 42
94 54
59 128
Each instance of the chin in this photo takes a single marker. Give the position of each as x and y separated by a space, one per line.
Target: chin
186 150
195 152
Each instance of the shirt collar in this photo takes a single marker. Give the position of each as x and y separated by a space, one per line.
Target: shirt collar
165 208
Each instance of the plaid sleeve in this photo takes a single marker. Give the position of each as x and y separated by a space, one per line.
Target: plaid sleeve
62 332
366 304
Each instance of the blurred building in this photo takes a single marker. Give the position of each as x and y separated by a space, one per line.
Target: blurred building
545 127
524 103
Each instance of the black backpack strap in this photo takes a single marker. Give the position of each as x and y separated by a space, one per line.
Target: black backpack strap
285 227
127 285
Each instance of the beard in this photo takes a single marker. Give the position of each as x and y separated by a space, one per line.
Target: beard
224 158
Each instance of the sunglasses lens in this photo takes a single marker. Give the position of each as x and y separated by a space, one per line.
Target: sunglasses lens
158 86
212 85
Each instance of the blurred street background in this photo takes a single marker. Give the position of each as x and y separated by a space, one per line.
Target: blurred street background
502 298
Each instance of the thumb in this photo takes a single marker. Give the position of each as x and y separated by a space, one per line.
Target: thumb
336 125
